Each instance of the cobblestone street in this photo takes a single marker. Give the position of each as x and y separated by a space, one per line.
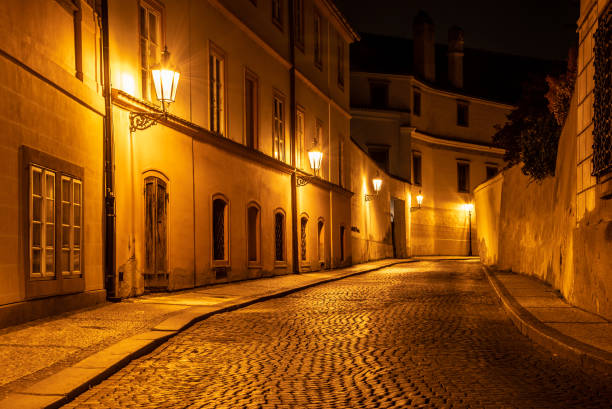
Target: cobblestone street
425 334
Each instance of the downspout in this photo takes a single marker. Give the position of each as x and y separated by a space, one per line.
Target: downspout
110 279
292 109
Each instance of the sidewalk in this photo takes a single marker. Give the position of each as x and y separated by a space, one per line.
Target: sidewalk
46 362
543 315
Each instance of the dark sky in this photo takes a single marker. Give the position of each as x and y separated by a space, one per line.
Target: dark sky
537 28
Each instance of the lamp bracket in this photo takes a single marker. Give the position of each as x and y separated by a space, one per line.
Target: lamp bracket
140 120
370 197
303 180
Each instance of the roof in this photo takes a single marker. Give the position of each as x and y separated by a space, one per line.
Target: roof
486 74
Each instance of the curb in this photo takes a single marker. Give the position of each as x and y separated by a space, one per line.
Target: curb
555 341
65 385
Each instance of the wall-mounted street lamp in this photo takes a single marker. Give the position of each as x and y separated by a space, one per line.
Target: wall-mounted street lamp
165 80
315 157
376 185
419 199
469 208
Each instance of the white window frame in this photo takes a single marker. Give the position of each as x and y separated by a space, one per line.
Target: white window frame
217 117
278 127
152 54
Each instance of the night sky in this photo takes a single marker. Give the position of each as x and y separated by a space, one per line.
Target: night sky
537 28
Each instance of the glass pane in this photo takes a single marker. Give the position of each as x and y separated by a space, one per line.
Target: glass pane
50 186
77 260
77 192
77 236
77 215
66 191
49 210
35 261
65 213
144 61
153 28
36 208
36 234
49 235
49 262
66 236
36 182
65 260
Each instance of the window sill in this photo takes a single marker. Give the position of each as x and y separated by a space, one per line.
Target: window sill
252 265
220 263
281 264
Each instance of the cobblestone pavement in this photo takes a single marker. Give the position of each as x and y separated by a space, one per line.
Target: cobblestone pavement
427 334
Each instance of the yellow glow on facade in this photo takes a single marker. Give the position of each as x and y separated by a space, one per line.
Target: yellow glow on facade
128 84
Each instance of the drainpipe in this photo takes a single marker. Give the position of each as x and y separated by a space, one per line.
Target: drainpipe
110 279
292 109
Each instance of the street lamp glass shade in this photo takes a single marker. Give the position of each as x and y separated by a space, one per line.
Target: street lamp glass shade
419 199
377 184
315 157
166 79
468 207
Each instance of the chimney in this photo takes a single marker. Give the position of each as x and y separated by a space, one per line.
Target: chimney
455 56
424 46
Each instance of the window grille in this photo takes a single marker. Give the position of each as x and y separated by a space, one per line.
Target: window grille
279 229
304 223
219 229
602 107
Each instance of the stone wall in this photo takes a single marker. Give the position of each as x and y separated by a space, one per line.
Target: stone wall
531 228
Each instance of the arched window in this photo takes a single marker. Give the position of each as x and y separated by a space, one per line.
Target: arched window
321 240
253 233
220 229
279 236
303 234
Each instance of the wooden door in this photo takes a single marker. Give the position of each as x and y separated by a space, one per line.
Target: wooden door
156 237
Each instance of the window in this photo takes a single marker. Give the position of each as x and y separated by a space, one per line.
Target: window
318 53
463 177
379 93
254 2
250 110
321 240
216 91
342 232
491 171
416 168
253 231
340 61
303 233
278 130
299 137
220 230
53 224
462 113
150 45
279 236
42 222
299 23
277 13
416 102
380 155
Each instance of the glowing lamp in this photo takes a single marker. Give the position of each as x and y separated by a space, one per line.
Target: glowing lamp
315 157
377 184
419 199
165 79
468 207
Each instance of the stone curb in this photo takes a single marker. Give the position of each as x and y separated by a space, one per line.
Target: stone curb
555 341
63 386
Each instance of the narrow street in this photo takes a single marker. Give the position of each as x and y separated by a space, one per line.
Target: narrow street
425 334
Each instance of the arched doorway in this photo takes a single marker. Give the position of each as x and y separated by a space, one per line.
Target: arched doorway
156 234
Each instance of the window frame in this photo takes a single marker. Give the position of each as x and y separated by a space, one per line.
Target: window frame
416 92
157 8
257 263
283 262
373 83
489 166
217 53
321 241
299 22
251 76
58 284
304 262
300 132
317 39
342 242
225 262
340 53
460 164
417 154
278 21
280 124
463 106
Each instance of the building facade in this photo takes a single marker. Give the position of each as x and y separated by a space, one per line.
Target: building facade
414 117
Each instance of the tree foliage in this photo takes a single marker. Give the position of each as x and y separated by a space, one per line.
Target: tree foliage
531 134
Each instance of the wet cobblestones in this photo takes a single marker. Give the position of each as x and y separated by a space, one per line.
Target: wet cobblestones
424 335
